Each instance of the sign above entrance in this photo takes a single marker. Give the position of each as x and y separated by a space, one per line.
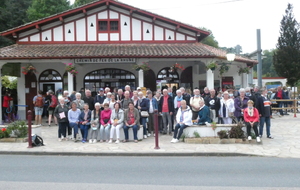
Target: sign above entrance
106 60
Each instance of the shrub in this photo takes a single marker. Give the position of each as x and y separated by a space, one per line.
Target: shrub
223 134
17 129
237 131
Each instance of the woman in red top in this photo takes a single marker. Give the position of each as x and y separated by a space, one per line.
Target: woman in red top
251 118
5 105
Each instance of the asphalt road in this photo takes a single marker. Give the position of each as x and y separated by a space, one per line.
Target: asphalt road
52 172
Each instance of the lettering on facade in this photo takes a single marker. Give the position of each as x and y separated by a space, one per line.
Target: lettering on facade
106 60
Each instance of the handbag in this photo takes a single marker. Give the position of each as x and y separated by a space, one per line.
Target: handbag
144 114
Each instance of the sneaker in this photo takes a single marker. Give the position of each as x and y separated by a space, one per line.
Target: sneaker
257 139
173 140
59 139
249 138
153 134
117 142
149 134
270 137
145 136
110 141
83 141
176 141
95 141
207 124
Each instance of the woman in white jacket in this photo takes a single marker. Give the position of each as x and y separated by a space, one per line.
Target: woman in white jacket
117 119
227 108
184 119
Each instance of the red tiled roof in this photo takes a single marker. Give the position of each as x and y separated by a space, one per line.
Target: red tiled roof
71 51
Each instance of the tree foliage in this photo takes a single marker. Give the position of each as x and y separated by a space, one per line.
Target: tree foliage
78 3
287 55
210 40
12 14
44 8
268 69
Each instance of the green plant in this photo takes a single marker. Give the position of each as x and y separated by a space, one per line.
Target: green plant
237 131
223 134
196 134
223 68
17 129
212 66
183 136
28 68
244 70
253 136
144 67
213 125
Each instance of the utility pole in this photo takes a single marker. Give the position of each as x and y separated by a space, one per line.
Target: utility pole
259 66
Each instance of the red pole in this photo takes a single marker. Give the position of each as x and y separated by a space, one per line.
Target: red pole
156 129
29 130
295 105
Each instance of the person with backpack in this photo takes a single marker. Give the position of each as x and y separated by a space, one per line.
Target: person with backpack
38 102
51 108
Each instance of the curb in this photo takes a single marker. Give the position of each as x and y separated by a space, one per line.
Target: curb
147 154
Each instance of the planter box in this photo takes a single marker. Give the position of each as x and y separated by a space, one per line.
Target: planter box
214 140
14 140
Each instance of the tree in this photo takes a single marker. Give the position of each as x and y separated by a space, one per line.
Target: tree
210 40
44 8
12 14
268 69
287 55
5 81
78 3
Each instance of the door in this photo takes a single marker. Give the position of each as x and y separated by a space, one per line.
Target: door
31 91
47 87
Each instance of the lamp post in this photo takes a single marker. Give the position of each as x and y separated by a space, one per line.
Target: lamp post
230 58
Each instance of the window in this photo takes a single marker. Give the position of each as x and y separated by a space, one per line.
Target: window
114 25
108 26
102 25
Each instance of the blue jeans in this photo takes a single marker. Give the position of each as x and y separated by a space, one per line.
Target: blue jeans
134 128
280 104
180 127
84 131
264 120
75 126
143 121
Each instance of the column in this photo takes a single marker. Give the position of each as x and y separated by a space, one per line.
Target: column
210 79
250 77
1 64
70 83
141 78
22 96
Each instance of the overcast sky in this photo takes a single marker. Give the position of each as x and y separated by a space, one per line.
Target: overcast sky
231 21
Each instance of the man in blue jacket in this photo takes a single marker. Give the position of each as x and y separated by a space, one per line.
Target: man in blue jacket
166 108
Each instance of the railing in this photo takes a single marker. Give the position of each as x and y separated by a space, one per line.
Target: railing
295 101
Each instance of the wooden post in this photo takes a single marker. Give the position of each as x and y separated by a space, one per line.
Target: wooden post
29 129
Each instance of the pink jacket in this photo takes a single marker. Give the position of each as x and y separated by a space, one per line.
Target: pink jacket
105 114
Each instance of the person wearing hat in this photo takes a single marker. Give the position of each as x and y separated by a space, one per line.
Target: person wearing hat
100 98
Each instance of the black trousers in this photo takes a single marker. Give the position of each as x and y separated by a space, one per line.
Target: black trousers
248 125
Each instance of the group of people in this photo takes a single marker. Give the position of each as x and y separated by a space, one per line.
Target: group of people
101 117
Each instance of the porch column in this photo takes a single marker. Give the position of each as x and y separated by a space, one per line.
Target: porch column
210 79
141 78
1 64
70 83
250 77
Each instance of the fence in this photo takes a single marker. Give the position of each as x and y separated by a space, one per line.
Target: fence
294 107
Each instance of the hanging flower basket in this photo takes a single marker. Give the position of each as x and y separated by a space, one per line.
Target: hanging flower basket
212 66
176 67
71 68
224 68
244 70
28 69
143 67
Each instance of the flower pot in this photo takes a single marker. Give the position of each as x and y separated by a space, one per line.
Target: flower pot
138 69
213 68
